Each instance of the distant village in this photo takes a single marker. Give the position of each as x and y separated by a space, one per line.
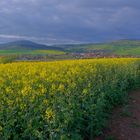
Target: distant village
69 56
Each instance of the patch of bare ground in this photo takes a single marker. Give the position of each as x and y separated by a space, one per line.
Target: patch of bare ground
125 121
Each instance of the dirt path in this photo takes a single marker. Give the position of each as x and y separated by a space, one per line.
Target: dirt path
125 121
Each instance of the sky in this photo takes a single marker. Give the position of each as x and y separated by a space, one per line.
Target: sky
69 21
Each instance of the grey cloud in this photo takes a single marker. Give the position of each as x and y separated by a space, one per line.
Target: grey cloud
78 20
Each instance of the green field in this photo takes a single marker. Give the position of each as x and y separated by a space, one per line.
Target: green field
122 47
31 52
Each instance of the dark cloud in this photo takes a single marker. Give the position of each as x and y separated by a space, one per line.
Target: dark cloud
53 21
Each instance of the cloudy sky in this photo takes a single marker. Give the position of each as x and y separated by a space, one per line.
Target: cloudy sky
69 21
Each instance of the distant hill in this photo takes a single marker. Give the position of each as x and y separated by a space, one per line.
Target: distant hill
120 47
26 45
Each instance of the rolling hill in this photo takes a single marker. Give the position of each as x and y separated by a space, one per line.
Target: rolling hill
28 47
120 47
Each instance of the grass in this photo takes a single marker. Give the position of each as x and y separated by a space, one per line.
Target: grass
129 51
126 112
31 52
53 52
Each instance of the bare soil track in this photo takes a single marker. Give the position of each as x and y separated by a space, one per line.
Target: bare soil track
125 121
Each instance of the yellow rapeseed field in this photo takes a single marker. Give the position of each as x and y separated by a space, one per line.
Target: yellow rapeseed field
62 100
